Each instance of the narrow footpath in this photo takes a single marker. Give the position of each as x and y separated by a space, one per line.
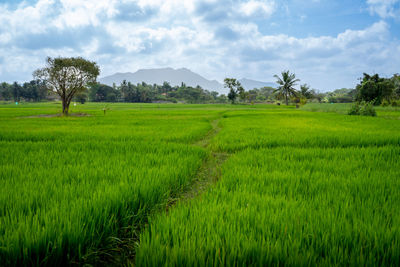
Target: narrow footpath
209 172
122 253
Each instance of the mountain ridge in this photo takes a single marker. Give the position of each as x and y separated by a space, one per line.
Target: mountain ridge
176 77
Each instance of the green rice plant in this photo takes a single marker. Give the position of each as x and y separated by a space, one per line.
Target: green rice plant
287 206
274 128
70 198
68 186
340 108
389 112
300 188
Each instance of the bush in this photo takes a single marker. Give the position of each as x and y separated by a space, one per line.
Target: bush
355 109
367 109
395 104
303 101
363 109
111 97
385 103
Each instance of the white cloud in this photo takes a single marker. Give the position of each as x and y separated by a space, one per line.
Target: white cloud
169 6
26 18
255 8
77 13
384 8
127 35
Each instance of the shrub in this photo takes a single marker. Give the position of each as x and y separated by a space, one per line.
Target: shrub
385 103
363 108
355 109
367 109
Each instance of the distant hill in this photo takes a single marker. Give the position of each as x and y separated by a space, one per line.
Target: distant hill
251 84
159 76
176 77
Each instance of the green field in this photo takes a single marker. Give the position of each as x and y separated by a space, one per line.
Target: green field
242 185
343 108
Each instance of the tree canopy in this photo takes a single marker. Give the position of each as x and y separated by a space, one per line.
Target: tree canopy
286 85
235 89
67 76
373 88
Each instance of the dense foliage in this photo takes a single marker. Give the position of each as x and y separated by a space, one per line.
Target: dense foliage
28 91
146 93
343 95
363 108
235 89
373 88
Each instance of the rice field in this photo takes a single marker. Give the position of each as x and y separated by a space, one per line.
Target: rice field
287 206
300 188
342 108
68 185
297 187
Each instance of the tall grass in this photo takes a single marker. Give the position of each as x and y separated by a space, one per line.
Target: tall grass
274 128
388 112
68 185
287 206
299 189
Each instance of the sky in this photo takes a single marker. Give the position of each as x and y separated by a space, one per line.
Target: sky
328 44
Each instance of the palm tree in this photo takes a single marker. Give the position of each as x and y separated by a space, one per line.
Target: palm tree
286 84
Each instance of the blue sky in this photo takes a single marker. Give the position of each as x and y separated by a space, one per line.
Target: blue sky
328 44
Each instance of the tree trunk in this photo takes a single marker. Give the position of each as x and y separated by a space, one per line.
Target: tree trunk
286 99
65 107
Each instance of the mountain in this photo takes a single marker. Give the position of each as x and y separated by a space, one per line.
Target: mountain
159 76
176 77
251 84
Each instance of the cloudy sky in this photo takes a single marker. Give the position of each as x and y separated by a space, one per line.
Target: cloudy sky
327 43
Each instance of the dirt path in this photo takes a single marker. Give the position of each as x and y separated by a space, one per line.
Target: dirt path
205 141
207 175
121 251
209 172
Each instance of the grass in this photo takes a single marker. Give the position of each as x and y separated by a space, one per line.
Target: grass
300 188
260 185
287 127
342 108
286 206
70 185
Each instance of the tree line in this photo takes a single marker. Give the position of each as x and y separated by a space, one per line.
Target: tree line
147 93
378 90
34 90
285 91
371 89
79 84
